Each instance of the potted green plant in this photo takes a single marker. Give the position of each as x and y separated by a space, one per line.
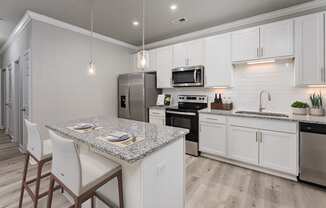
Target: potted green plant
316 105
299 108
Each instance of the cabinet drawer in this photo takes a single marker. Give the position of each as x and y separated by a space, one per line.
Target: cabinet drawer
157 112
265 124
212 118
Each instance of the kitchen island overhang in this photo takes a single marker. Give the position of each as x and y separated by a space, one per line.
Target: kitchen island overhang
153 168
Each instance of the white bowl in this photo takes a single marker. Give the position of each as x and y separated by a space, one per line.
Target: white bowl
299 111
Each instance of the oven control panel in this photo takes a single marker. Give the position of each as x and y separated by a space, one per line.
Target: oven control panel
193 98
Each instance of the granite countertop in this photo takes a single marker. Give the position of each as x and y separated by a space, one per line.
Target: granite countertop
155 137
291 117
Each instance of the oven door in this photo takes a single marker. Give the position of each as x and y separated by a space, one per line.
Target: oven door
186 120
187 77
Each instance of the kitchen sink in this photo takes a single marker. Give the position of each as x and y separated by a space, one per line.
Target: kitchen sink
262 113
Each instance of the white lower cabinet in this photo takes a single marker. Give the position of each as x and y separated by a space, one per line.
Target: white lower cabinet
157 120
270 145
157 117
278 151
212 138
243 145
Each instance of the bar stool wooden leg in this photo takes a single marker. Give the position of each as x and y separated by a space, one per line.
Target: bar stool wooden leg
24 180
51 187
93 202
38 181
77 203
120 187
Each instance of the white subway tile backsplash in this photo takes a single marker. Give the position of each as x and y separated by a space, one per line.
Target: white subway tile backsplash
277 78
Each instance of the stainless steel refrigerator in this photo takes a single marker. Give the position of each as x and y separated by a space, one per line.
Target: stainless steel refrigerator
136 93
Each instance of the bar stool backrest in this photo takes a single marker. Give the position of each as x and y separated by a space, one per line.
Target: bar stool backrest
34 141
66 162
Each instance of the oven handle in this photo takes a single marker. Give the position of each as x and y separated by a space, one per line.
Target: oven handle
181 113
195 75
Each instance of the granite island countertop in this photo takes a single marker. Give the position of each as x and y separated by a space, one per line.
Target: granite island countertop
291 117
154 137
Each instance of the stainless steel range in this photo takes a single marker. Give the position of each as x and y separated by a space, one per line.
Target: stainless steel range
185 115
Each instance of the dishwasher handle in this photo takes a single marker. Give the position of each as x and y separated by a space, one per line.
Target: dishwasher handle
313 128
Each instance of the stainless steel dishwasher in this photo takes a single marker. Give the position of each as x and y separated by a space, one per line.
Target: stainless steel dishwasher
313 153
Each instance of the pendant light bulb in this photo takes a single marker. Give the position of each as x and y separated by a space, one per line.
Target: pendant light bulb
91 68
143 55
91 64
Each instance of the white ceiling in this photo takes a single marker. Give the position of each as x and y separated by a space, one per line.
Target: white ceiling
114 17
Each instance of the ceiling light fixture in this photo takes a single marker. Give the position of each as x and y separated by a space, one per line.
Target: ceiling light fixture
261 62
143 55
91 64
135 23
173 7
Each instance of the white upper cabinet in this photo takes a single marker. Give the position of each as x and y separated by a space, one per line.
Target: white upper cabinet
218 64
245 44
152 60
309 53
188 54
276 39
266 41
164 66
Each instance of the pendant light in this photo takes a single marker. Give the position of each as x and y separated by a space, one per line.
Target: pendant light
91 64
143 55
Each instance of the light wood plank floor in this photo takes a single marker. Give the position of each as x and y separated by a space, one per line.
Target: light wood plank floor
210 184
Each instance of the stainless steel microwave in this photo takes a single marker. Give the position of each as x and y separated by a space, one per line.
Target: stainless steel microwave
191 76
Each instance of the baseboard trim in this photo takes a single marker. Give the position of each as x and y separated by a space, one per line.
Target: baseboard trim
251 167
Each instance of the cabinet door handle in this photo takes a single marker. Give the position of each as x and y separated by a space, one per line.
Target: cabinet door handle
257 52
261 52
257 136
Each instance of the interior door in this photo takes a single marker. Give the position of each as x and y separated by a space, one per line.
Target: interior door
3 97
9 100
26 104
18 104
137 97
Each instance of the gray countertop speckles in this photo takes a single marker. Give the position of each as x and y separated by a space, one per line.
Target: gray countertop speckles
155 137
295 118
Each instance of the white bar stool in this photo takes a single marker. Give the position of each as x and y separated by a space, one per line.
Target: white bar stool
81 174
41 151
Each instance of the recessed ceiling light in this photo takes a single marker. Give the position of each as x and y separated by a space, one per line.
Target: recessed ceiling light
135 23
173 7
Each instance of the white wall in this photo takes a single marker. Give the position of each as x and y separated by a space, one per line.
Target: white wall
61 87
278 79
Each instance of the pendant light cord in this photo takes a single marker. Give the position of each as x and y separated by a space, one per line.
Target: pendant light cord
143 5
92 31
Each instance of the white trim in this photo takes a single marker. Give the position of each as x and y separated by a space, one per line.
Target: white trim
29 15
286 13
18 29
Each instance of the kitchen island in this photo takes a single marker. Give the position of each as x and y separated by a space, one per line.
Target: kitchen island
153 166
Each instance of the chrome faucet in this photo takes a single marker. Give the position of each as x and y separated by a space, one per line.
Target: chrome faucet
261 108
